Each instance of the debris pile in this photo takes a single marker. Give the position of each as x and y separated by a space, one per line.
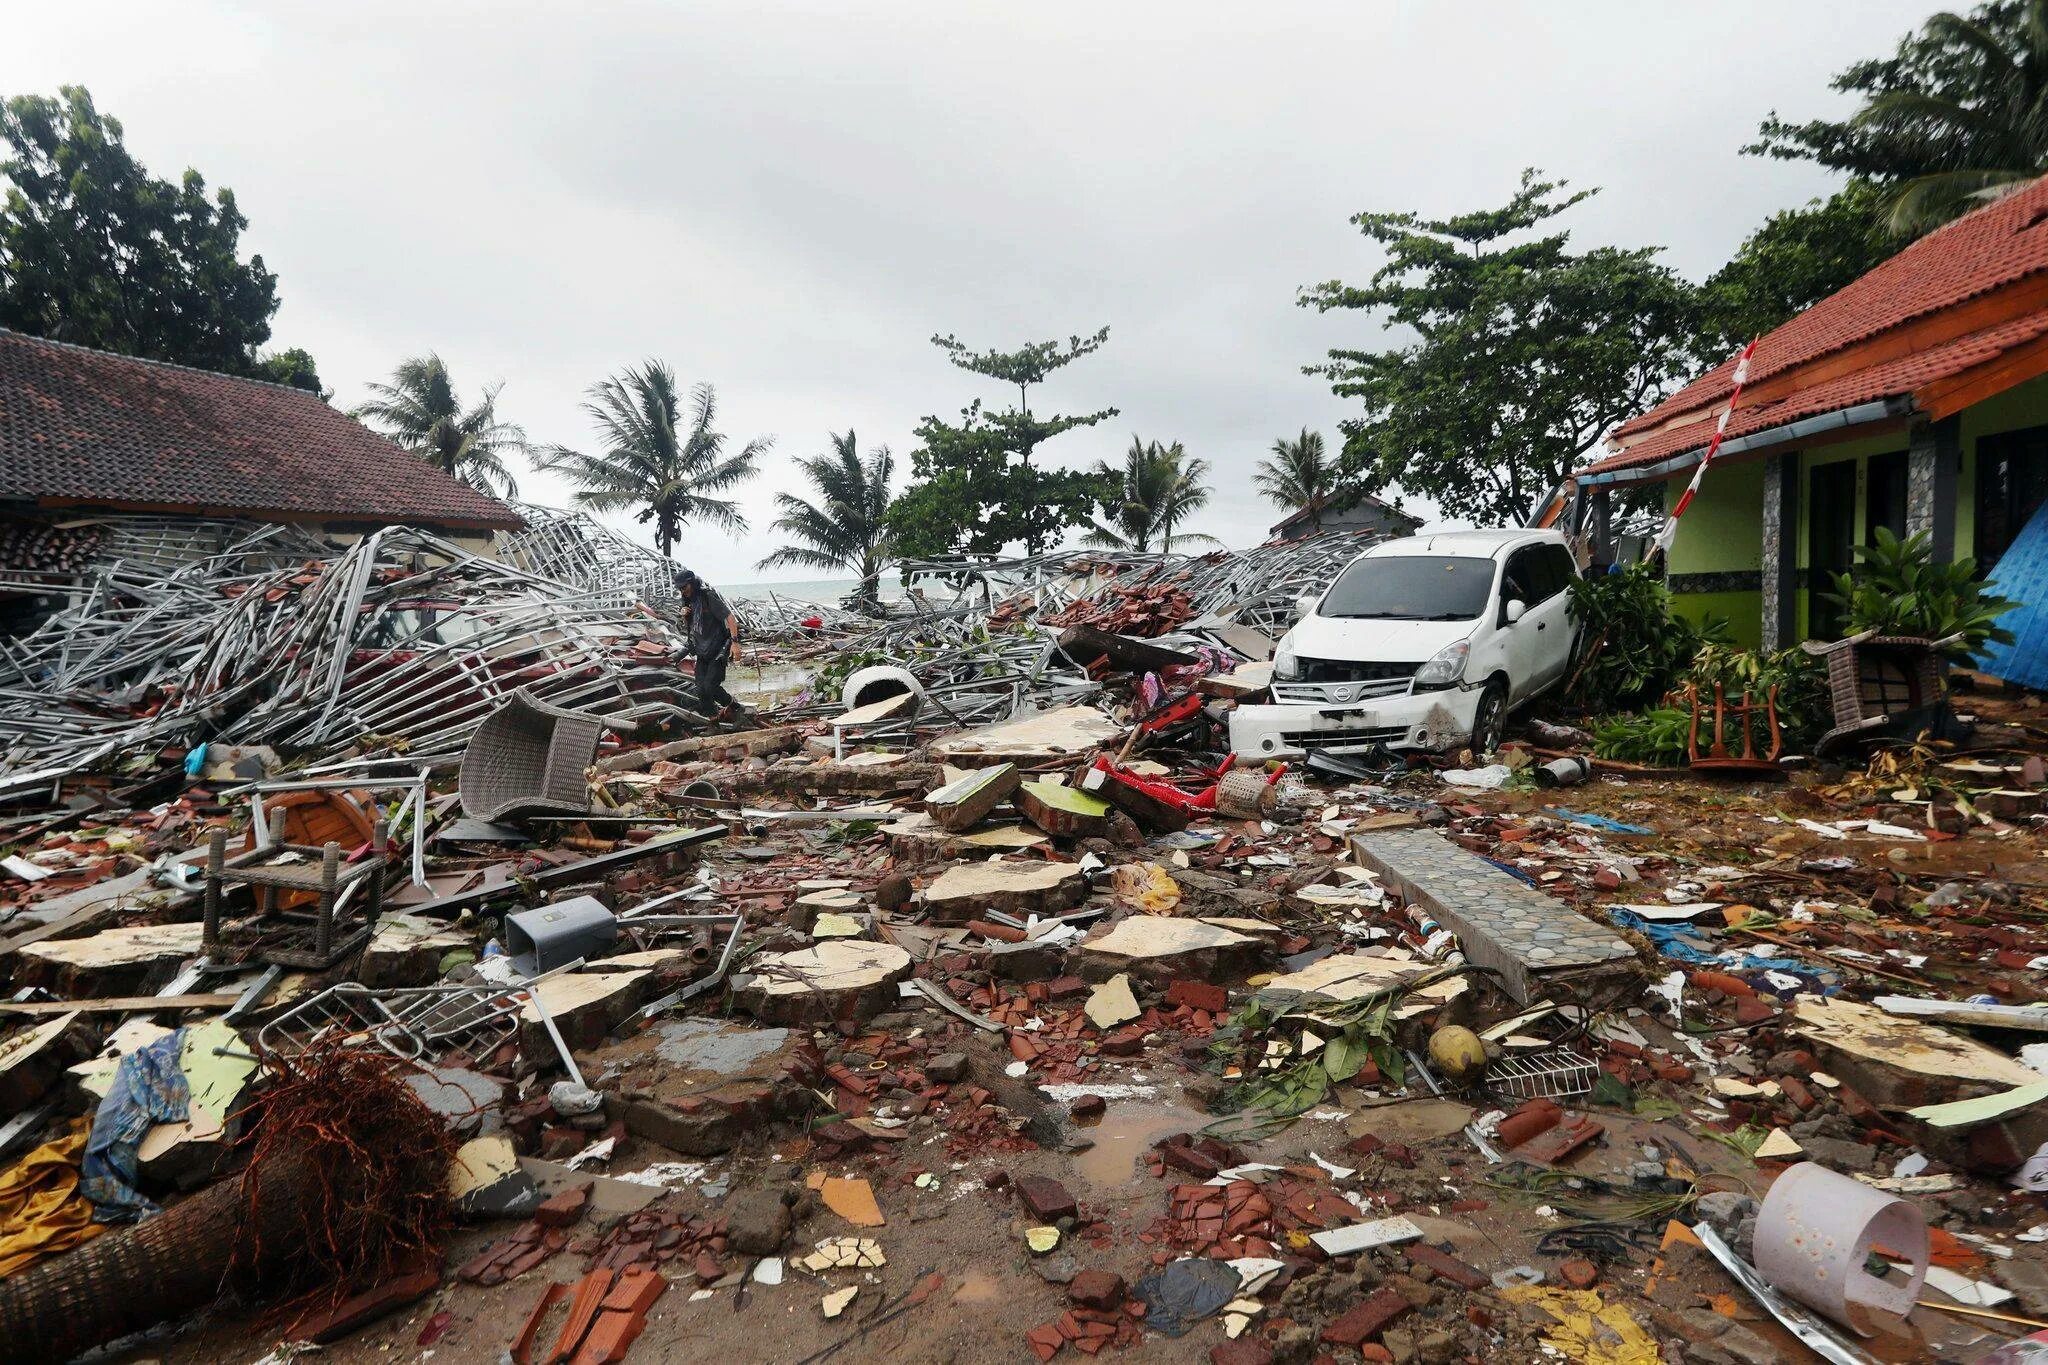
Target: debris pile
976 1005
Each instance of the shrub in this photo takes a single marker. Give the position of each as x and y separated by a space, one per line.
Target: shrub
1637 648
1804 707
1898 589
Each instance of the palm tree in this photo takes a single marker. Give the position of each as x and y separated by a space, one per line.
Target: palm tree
1299 477
1157 487
1186 493
844 529
1982 133
419 410
654 462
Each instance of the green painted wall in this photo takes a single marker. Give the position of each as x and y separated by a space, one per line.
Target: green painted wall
1743 611
1723 529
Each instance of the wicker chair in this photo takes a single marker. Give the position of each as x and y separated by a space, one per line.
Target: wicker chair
1878 682
527 759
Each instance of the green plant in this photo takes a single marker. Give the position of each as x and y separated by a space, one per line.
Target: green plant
1633 650
1898 589
1804 708
1655 738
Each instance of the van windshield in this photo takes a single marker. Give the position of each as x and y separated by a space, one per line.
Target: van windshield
1411 588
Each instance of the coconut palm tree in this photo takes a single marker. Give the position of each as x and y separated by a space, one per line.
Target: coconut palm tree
656 460
843 529
1299 477
419 410
1157 487
1980 133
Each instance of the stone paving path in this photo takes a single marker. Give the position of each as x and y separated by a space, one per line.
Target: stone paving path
1500 922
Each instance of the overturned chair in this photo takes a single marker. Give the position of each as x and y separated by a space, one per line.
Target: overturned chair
1884 684
529 759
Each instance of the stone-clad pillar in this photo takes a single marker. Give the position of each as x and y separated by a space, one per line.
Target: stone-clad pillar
1934 464
1779 561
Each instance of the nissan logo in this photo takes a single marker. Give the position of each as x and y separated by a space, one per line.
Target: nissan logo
1343 693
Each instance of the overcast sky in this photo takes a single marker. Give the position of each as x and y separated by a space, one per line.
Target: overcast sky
788 200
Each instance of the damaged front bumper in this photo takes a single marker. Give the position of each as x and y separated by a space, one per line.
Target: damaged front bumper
1429 721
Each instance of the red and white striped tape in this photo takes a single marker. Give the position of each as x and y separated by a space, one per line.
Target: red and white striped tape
1670 529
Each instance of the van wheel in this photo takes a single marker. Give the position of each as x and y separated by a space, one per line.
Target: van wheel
1490 720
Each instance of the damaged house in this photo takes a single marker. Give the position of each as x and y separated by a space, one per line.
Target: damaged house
91 441
1913 399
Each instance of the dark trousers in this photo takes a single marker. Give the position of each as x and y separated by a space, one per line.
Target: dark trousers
711 694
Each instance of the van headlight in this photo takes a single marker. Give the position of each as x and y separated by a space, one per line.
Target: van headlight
1286 667
1447 669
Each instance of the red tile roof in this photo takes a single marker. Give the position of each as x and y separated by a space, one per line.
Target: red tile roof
1977 255
79 426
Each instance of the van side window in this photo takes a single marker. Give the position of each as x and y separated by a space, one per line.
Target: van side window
1525 578
1563 568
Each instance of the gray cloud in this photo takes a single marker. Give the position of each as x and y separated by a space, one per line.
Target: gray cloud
788 199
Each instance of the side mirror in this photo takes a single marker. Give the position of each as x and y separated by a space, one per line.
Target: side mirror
1511 610
1304 606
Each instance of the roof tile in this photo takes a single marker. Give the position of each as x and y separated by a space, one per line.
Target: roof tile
78 425
1984 251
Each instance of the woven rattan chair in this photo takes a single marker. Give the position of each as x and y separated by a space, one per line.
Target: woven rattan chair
528 759
1876 681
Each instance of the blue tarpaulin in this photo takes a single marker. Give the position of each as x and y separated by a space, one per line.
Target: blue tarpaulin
2021 574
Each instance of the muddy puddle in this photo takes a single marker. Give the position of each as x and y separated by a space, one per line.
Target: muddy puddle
1124 1134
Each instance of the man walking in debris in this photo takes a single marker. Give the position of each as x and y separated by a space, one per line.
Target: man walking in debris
713 628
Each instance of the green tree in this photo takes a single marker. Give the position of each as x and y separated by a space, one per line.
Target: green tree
1957 115
974 488
1796 259
1156 488
95 250
846 528
293 367
1300 477
1526 353
653 461
420 411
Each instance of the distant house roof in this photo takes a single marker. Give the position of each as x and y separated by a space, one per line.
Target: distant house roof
80 427
1958 315
1300 516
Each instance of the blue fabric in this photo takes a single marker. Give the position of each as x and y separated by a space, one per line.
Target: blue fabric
2022 575
149 1088
1679 943
1595 821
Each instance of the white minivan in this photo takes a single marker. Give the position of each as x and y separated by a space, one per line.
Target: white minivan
1427 642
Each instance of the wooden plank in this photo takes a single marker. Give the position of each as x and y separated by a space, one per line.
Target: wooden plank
119 1004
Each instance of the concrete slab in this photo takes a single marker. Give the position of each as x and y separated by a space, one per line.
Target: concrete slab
837 979
966 801
1898 1063
1015 887
1061 733
1353 976
1162 948
1501 923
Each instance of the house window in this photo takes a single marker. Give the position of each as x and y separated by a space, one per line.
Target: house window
2012 483
1884 497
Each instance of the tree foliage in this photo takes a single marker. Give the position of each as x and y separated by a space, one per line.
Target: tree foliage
1299 477
420 411
846 528
1796 259
1155 488
1524 354
653 460
1957 115
95 250
974 488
